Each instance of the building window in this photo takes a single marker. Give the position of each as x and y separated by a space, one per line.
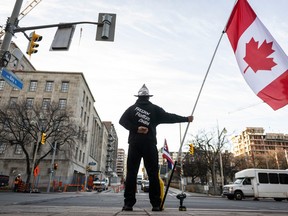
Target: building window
33 86
2 84
62 103
2 148
80 154
64 86
81 114
87 121
83 157
18 150
76 153
79 132
45 103
29 102
83 96
49 86
13 102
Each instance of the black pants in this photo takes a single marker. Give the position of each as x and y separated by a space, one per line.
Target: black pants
149 153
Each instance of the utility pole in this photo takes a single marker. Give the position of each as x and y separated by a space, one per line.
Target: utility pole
10 26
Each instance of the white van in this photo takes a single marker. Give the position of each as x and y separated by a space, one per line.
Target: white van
258 183
100 184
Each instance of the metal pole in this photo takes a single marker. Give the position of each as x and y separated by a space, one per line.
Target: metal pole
11 25
33 164
221 169
167 188
51 166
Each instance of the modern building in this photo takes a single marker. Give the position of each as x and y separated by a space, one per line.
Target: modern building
68 89
121 163
254 141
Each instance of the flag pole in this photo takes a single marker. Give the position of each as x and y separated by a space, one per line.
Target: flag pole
200 91
179 156
182 208
204 80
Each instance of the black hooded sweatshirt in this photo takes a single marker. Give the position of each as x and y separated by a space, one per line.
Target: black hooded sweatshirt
144 113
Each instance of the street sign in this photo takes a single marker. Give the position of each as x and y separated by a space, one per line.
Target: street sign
92 163
11 78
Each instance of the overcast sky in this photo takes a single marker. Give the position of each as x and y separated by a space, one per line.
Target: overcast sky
168 45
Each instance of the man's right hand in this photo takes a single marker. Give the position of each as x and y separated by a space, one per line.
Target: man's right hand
190 118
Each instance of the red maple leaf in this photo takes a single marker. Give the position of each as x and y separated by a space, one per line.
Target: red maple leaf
257 58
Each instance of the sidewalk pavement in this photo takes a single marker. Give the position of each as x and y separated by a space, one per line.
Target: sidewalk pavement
23 206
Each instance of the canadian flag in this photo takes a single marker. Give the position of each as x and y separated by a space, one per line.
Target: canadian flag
261 60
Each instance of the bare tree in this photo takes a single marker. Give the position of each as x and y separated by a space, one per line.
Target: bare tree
211 145
22 125
195 167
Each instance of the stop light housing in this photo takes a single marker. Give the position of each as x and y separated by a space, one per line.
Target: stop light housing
55 166
33 38
43 138
191 149
106 28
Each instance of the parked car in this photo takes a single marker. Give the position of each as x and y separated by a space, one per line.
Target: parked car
100 184
145 185
139 179
4 180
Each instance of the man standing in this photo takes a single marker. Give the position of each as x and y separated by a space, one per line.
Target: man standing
141 119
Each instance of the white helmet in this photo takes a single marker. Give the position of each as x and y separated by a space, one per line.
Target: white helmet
143 92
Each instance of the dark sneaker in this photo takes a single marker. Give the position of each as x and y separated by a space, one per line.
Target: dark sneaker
156 208
127 208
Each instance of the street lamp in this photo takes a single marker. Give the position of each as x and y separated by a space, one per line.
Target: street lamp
220 156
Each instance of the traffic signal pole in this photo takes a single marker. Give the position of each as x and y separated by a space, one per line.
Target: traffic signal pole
105 30
10 26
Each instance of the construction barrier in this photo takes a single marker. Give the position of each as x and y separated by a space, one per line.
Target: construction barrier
73 187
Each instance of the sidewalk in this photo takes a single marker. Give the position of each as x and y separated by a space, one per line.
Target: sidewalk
22 205
113 211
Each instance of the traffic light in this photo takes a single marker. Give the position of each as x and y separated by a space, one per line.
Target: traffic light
55 166
33 38
106 27
191 149
43 138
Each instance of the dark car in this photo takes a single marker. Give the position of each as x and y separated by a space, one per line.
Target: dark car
4 180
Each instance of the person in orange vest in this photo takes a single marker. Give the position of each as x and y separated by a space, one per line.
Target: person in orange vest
17 182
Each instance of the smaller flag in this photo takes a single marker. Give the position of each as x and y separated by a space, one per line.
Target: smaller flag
167 156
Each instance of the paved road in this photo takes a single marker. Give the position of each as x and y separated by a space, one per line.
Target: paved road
14 204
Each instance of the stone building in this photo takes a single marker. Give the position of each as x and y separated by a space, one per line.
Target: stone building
70 90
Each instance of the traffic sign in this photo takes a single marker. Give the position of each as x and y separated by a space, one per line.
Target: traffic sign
92 163
11 78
